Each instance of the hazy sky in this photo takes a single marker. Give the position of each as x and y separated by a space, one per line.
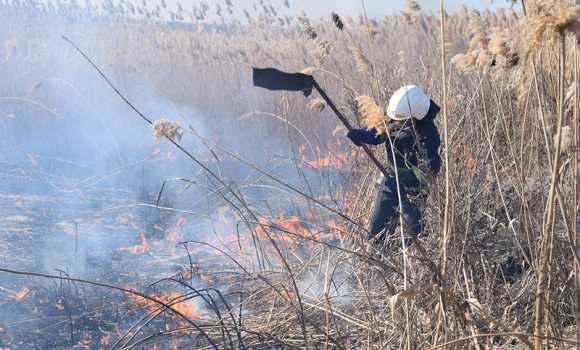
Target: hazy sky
378 8
316 9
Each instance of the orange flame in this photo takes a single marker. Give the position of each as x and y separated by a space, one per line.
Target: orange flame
292 225
116 329
205 277
21 294
59 305
163 155
174 299
87 340
180 221
283 292
174 236
142 248
105 339
331 156
335 226
185 308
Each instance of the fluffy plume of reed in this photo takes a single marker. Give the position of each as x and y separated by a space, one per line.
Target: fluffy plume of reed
569 20
337 21
340 129
362 63
552 20
413 5
502 50
478 29
366 30
478 57
164 127
373 115
247 15
322 45
308 70
307 29
317 103
408 17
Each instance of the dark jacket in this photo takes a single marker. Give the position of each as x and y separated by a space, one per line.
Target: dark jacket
415 142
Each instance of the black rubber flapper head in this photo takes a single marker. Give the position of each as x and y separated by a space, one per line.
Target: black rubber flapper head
273 79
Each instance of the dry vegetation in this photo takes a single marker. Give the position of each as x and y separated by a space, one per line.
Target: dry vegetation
503 267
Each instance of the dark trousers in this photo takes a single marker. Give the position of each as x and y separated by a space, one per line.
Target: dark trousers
387 207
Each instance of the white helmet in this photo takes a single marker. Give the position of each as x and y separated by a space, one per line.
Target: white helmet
409 101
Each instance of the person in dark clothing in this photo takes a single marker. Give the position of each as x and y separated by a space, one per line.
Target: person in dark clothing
412 142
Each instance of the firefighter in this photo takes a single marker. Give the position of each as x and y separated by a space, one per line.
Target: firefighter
413 159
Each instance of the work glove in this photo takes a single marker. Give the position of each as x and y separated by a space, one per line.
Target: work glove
362 135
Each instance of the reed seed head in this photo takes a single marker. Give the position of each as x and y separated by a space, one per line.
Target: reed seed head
408 17
164 127
550 21
317 103
374 116
307 29
322 45
368 30
413 5
340 129
362 63
478 29
568 19
308 70
337 21
498 44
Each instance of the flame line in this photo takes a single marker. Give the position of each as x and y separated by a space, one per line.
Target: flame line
100 284
235 194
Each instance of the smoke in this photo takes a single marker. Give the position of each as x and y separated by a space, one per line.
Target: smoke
336 287
76 156
87 191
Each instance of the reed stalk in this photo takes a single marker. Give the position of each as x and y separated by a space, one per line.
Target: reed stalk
548 227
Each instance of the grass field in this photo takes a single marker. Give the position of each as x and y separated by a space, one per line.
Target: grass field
239 226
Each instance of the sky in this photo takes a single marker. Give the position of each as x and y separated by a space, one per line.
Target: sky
378 8
317 9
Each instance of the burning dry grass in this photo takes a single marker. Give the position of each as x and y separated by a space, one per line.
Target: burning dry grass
300 279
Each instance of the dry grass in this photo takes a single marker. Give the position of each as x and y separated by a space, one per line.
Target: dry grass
164 127
307 285
374 116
